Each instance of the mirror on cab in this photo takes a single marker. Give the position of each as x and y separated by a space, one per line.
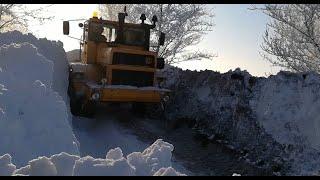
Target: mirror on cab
162 38
66 27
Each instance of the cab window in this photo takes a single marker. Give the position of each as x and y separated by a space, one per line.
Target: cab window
134 36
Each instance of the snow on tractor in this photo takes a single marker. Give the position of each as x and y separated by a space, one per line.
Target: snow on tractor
115 65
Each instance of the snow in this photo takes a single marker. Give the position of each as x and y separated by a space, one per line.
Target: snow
29 125
23 171
275 120
42 166
52 51
115 154
289 109
168 172
64 163
73 55
102 133
34 118
203 93
6 167
89 166
171 73
149 162
235 174
152 159
17 59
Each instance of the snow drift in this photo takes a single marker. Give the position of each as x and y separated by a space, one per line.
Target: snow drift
273 122
33 117
52 51
155 160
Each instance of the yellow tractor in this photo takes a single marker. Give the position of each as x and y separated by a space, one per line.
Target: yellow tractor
116 65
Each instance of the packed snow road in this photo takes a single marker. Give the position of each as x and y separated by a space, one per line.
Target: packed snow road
116 126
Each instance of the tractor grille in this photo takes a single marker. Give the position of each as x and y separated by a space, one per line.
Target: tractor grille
132 78
133 59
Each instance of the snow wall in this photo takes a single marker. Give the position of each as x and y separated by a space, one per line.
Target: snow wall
272 122
34 120
53 51
34 117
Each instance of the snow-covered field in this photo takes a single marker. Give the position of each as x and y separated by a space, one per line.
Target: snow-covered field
36 135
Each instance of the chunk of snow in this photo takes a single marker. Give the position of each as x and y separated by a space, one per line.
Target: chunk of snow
151 159
6 167
114 164
42 166
89 166
23 171
64 163
235 174
168 172
114 154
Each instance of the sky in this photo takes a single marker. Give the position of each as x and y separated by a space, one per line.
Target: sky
236 36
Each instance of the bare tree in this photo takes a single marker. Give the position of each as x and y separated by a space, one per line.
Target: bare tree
184 25
18 16
292 37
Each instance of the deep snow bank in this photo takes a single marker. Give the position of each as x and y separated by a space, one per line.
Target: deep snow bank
51 50
274 122
155 160
33 117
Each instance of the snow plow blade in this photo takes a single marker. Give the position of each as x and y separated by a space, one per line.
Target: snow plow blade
119 93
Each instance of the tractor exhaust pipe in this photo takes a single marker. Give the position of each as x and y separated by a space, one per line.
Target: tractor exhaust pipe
121 18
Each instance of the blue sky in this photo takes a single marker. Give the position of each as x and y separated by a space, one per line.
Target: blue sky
236 37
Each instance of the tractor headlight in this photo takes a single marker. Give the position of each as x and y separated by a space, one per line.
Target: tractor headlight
166 98
95 96
104 81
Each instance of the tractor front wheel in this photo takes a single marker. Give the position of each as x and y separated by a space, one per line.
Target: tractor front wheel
88 109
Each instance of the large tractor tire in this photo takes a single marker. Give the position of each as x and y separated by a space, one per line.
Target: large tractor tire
75 106
78 104
75 102
88 109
